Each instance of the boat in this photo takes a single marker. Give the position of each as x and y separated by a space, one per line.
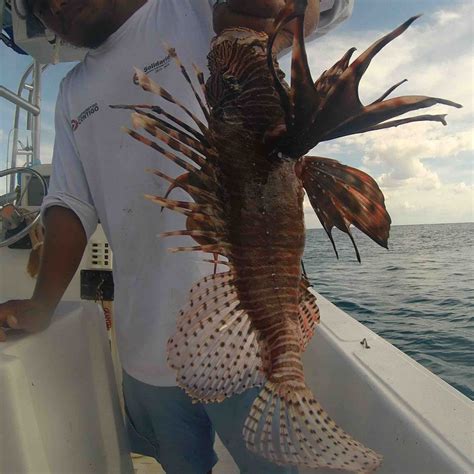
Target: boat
61 409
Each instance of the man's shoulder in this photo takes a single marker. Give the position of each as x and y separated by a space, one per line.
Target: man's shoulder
67 82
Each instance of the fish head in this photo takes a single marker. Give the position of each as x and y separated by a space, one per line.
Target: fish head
238 67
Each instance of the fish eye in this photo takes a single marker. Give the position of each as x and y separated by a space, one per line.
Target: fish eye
231 81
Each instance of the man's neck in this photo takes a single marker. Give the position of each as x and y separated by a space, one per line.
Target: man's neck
124 9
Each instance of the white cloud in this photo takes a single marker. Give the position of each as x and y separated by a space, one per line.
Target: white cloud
447 203
462 187
444 17
401 153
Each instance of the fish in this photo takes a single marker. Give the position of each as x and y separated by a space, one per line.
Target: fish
246 170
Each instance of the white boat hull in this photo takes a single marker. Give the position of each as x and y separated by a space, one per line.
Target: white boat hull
61 412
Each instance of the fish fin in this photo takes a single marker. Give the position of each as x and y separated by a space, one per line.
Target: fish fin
149 85
179 141
287 425
192 233
308 316
205 216
200 77
206 248
156 111
184 72
329 78
303 93
303 97
287 14
185 207
198 193
336 107
342 196
170 156
215 350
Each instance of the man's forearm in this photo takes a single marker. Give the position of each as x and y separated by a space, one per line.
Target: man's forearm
63 247
260 15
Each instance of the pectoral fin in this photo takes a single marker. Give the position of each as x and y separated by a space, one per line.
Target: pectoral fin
343 196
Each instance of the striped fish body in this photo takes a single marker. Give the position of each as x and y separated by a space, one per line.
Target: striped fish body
264 196
266 234
246 174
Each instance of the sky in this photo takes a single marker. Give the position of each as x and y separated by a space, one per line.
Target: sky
425 170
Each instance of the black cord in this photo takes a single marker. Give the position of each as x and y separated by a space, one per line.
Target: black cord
304 269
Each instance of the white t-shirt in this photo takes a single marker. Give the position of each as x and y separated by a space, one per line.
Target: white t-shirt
99 171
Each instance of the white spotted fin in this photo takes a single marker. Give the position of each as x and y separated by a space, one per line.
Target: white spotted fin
216 351
289 426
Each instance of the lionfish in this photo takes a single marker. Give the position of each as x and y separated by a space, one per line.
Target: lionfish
246 173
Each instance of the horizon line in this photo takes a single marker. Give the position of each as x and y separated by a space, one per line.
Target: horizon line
401 225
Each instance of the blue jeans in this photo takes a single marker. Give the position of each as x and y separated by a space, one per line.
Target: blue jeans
163 423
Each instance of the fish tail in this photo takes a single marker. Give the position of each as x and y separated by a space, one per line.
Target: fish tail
287 425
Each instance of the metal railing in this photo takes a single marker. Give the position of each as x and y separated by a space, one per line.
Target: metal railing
31 105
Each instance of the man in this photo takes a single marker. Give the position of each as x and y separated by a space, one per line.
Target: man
98 173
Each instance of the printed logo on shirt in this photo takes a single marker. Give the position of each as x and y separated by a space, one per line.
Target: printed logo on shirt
85 114
155 66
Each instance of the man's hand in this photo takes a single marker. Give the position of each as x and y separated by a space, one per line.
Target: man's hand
259 15
27 315
63 247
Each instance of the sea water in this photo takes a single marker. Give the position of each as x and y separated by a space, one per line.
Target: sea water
418 295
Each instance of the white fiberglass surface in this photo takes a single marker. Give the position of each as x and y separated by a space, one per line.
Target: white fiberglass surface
16 283
60 409
385 399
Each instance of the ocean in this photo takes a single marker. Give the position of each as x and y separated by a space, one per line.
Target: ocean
418 295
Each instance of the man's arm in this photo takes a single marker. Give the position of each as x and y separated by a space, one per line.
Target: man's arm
64 244
260 15
63 247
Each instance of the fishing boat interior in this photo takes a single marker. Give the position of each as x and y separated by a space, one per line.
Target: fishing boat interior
61 409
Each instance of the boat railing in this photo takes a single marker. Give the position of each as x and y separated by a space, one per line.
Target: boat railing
31 105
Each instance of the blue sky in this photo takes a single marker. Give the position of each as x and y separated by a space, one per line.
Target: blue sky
425 169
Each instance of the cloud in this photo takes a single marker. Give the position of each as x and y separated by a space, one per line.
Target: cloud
462 188
408 205
401 153
447 203
444 17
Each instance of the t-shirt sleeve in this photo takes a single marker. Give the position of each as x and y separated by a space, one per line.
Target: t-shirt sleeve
333 12
68 184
